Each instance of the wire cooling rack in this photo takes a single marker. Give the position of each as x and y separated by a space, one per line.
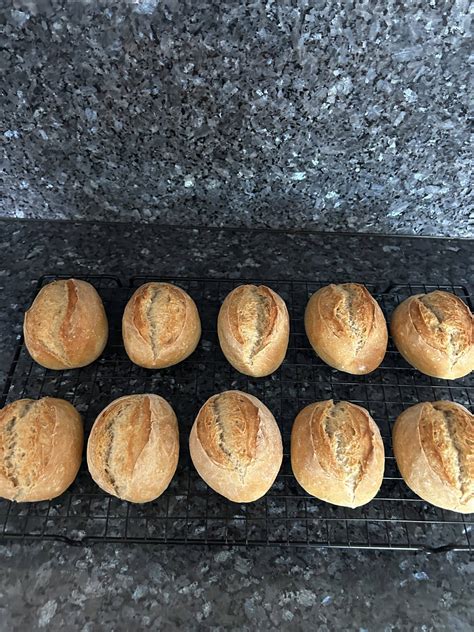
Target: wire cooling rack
190 512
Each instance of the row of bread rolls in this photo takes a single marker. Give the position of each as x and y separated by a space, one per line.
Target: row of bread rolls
66 327
337 453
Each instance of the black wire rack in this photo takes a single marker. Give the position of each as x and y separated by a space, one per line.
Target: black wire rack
190 512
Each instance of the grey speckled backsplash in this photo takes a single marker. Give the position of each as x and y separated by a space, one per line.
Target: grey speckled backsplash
318 114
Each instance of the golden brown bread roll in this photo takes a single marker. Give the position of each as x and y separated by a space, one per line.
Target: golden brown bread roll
337 453
253 328
433 443
346 328
434 333
66 326
40 448
133 448
160 325
236 446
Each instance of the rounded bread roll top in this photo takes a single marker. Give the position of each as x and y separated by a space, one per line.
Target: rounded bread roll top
133 448
66 326
253 328
347 328
40 448
160 325
236 446
337 453
433 443
435 333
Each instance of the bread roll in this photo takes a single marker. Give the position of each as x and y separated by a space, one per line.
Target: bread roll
337 453
253 328
433 445
66 326
160 325
434 333
133 448
346 328
236 446
40 448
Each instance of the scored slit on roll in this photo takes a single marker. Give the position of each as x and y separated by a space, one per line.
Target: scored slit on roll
133 447
66 326
349 442
228 431
253 328
435 333
160 325
346 328
159 316
252 317
40 448
236 446
444 322
337 453
445 440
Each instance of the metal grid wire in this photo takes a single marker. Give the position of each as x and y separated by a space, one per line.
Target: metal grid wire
189 512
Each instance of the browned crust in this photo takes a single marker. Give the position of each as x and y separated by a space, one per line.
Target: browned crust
227 427
346 328
66 326
337 453
133 447
40 448
433 443
435 333
253 329
160 326
252 317
236 446
349 311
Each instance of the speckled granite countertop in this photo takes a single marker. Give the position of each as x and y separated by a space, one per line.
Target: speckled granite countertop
324 114
53 586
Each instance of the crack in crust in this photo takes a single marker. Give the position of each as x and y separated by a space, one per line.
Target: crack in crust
350 311
108 471
444 322
52 328
447 439
8 444
343 442
227 428
120 437
27 429
159 315
253 314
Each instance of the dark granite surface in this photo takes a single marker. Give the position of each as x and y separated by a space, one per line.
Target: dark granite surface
327 114
53 586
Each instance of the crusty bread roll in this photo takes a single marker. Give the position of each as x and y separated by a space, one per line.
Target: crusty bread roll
435 333
133 448
160 325
346 328
433 443
337 453
40 448
66 326
236 446
253 328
